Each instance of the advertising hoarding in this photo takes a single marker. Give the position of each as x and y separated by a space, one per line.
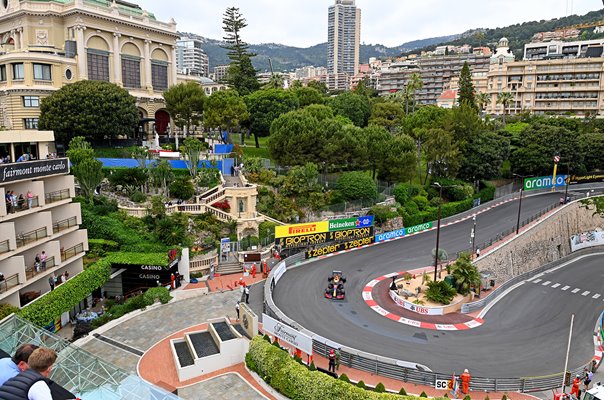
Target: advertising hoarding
592 177
333 247
289 335
543 182
587 239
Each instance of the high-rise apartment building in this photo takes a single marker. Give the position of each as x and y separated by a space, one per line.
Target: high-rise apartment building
190 57
344 37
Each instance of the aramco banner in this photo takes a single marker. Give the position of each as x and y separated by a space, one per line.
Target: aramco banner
543 182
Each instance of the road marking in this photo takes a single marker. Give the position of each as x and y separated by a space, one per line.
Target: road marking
575 290
531 278
555 285
596 296
537 280
585 293
566 288
546 283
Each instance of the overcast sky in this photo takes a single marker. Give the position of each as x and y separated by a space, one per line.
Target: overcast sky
303 23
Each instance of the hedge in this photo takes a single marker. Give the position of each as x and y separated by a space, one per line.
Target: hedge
138 258
295 381
66 296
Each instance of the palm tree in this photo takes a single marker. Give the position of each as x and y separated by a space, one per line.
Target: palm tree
415 83
504 98
482 99
465 273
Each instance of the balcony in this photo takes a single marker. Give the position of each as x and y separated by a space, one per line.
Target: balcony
7 283
72 252
64 224
4 247
57 196
30 237
34 270
22 205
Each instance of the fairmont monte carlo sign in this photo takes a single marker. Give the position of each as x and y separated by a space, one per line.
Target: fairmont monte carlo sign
33 169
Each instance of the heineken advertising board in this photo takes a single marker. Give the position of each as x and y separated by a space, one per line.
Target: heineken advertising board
543 182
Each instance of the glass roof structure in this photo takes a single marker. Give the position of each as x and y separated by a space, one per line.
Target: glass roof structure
77 370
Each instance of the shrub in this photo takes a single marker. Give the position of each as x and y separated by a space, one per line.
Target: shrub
6 310
422 202
402 392
312 366
344 378
405 191
127 177
382 213
379 388
467 397
222 205
250 362
440 292
423 394
361 384
138 196
160 294
182 188
356 185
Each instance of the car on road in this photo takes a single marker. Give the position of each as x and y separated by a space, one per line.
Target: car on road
335 286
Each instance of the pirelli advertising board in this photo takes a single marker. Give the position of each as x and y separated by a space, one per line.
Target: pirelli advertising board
318 233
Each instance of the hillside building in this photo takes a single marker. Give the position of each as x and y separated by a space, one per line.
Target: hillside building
343 37
190 57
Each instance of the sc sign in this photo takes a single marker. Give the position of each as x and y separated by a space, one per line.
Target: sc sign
441 384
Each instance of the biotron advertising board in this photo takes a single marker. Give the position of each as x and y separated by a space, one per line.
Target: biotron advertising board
324 237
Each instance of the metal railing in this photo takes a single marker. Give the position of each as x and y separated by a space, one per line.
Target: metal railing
4 247
64 224
59 195
9 283
34 270
72 252
32 236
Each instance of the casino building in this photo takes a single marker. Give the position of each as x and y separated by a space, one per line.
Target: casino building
38 219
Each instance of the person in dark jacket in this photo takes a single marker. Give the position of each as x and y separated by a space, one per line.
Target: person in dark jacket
33 383
11 367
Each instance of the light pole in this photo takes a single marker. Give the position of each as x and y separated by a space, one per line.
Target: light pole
520 202
473 236
440 194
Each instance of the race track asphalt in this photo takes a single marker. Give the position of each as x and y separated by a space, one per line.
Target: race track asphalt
524 334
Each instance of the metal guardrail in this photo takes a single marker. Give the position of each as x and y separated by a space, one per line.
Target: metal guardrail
72 251
56 196
64 224
31 236
4 247
409 371
9 282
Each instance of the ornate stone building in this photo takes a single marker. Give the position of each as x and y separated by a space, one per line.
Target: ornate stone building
47 44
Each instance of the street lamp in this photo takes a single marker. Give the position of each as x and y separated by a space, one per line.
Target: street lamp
473 236
520 202
440 194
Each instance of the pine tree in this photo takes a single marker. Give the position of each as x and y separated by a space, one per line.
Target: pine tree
466 87
241 75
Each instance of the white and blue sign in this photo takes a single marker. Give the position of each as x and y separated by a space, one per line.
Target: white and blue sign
397 234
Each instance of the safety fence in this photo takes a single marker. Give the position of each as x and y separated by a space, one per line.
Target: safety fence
416 373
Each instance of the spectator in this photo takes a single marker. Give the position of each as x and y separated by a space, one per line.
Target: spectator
33 383
52 280
30 199
37 263
21 202
9 202
11 367
43 258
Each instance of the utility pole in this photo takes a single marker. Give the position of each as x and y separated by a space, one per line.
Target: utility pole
570 335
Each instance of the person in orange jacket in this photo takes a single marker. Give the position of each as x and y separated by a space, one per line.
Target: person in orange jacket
465 381
575 388
254 271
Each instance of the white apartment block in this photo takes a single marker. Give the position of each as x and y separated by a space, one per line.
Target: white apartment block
41 222
343 37
190 57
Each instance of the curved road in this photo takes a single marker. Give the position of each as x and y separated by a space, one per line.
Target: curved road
525 333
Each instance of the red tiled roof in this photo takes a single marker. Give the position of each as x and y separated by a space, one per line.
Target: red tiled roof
448 95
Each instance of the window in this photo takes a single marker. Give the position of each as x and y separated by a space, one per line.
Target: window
159 76
2 73
18 71
42 72
98 65
30 123
131 72
31 101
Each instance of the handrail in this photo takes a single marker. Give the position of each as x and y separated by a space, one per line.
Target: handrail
32 271
12 280
56 196
64 224
4 247
72 252
32 236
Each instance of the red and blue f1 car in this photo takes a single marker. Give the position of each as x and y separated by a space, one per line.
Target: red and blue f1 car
335 288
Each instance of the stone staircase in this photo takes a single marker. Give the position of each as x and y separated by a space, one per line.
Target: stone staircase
228 268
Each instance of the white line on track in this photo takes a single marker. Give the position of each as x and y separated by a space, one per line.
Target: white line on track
546 283
555 285
596 296
585 293
575 290
566 288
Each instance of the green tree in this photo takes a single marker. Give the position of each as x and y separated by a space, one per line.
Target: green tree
387 114
466 87
241 74
504 98
364 88
442 153
352 106
276 81
465 273
161 175
92 109
225 109
192 150
356 185
297 137
307 96
345 145
320 86
413 85
87 169
182 187
376 140
301 181
185 103
484 156
396 163
265 106
482 100
592 148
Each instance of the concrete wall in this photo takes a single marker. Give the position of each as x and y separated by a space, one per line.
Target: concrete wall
547 241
